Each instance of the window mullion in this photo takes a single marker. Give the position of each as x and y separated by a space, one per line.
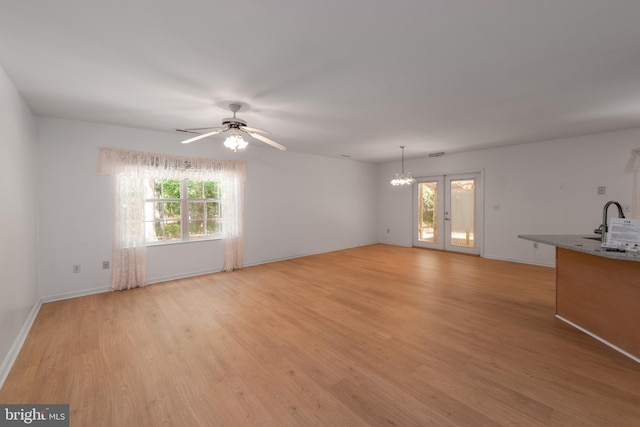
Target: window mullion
184 208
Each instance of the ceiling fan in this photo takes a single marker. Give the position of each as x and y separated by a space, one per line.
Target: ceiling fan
236 127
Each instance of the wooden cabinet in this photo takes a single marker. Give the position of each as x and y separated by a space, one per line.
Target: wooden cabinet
600 295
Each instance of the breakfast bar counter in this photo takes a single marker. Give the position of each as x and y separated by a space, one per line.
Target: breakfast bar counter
597 291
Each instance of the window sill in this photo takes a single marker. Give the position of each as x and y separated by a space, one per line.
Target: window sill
180 242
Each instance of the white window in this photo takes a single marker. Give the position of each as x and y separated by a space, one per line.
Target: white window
182 210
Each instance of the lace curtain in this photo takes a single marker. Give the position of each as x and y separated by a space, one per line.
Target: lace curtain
634 166
130 170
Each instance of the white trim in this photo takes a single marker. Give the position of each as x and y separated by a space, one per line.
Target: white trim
11 357
520 261
444 190
161 279
178 242
605 342
285 258
478 249
75 294
440 195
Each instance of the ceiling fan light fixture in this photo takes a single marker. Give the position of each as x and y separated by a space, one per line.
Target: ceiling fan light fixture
404 178
237 127
235 142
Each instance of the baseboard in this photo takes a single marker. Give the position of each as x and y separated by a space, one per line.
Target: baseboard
519 261
602 340
11 357
75 294
151 281
180 276
285 258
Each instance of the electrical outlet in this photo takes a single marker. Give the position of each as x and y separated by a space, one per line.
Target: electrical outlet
105 265
602 190
76 268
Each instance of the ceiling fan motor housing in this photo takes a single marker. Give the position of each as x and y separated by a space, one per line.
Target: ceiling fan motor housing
233 122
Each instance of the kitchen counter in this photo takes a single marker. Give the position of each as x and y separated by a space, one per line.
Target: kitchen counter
581 243
597 291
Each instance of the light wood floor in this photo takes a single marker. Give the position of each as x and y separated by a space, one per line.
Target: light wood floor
378 335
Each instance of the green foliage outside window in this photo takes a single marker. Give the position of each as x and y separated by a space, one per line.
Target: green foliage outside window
428 205
163 214
203 190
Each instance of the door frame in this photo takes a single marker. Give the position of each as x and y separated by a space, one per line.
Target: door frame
444 178
439 243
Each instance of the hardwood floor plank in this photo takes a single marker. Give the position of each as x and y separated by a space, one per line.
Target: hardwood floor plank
376 335
378 402
566 392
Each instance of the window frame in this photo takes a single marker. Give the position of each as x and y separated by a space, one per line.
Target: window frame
185 219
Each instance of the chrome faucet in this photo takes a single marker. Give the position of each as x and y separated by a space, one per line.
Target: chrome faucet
603 227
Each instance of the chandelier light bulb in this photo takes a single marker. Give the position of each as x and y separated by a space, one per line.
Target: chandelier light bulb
235 142
403 179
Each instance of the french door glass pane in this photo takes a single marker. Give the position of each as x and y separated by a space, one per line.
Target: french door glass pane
428 211
463 215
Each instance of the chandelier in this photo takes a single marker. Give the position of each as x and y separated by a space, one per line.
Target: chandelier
403 178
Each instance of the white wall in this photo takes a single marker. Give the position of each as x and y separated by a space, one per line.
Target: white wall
295 204
547 187
18 281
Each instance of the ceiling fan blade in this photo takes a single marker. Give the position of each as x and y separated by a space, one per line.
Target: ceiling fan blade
187 131
204 135
267 140
210 127
248 129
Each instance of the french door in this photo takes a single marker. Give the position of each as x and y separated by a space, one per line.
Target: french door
448 213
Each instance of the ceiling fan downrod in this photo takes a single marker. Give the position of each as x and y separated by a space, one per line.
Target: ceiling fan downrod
234 122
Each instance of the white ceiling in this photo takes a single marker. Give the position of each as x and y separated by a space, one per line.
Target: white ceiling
334 77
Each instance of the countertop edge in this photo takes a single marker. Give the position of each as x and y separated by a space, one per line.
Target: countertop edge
579 243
